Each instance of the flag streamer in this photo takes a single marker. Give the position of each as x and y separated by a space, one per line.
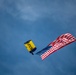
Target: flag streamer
57 44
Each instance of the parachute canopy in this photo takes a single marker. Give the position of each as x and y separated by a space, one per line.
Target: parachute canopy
30 46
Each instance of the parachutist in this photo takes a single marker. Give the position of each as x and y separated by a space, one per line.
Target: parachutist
32 53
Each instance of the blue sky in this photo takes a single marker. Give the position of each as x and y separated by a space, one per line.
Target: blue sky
41 21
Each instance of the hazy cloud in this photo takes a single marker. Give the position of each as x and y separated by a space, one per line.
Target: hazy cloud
32 10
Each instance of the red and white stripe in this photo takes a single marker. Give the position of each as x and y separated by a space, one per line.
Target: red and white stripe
60 42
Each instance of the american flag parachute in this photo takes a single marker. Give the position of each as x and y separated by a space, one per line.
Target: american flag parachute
57 44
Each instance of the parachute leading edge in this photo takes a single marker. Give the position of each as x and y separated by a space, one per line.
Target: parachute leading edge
30 46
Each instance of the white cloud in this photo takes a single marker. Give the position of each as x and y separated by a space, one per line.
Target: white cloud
28 12
32 10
